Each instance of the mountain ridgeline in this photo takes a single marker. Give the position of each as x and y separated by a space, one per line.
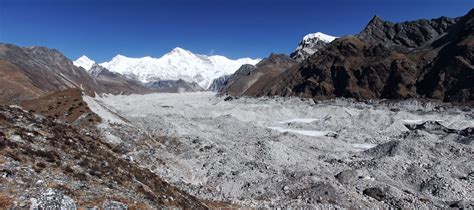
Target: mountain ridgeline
430 59
32 72
416 59
29 72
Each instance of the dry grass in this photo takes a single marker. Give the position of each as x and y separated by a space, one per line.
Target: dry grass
66 105
5 201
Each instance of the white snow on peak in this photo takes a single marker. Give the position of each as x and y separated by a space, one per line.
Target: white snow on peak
310 42
321 36
177 64
179 50
84 62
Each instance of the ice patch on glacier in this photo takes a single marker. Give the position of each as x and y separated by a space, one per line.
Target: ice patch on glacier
312 133
299 120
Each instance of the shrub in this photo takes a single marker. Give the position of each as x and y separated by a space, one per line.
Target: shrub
5 201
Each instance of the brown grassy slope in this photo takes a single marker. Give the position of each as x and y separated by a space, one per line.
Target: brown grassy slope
66 105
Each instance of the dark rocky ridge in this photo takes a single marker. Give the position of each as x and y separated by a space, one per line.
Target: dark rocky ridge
236 81
410 34
327 75
251 80
416 59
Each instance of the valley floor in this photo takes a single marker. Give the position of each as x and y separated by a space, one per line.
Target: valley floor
294 152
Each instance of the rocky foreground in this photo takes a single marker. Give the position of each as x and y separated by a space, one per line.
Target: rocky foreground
61 161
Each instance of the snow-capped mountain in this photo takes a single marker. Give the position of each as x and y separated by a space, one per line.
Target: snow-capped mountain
84 62
310 44
175 65
319 36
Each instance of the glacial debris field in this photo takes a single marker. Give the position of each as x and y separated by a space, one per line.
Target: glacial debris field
294 152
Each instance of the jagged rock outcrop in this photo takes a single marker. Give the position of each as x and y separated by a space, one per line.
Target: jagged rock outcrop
410 34
250 80
174 86
450 75
218 84
428 59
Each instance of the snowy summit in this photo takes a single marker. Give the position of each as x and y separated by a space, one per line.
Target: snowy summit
310 44
321 36
175 65
84 62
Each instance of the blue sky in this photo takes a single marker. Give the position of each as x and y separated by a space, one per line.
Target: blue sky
240 28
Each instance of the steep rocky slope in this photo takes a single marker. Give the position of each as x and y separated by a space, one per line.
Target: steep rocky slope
249 80
15 85
428 59
33 71
218 84
450 76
